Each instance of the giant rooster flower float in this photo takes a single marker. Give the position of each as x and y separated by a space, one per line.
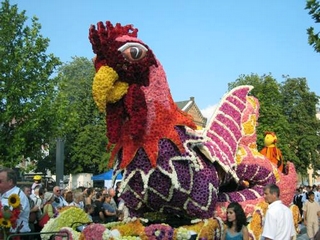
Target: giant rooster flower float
167 166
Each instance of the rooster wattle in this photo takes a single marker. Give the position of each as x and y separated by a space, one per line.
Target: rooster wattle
167 166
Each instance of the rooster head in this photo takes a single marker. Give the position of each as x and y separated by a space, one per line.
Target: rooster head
130 86
118 47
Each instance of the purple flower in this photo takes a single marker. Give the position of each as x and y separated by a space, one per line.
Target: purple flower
159 232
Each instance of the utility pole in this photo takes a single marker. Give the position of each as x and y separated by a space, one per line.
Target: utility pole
60 161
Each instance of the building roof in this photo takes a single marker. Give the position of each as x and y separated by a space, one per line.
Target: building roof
189 106
185 105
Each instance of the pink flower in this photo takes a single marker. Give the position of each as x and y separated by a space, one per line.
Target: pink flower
94 231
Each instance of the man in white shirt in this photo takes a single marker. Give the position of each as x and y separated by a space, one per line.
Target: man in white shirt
8 182
278 222
59 201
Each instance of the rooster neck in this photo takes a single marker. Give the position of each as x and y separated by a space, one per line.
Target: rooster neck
159 126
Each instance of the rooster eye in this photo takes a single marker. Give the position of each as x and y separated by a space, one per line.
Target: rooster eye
133 51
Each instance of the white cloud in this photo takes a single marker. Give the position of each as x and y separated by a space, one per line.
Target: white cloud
208 111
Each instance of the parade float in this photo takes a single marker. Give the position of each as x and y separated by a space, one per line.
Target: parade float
177 182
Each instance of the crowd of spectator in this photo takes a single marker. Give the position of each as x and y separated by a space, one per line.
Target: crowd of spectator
101 205
104 205
307 199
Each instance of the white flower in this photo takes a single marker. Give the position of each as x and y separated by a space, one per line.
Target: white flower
183 234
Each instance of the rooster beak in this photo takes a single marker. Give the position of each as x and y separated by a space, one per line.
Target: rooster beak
107 88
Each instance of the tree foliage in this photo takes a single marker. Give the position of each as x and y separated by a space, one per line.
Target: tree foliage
78 120
26 89
314 10
289 110
299 106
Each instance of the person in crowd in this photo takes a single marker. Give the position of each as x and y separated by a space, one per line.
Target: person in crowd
278 222
236 223
78 199
297 200
38 199
33 210
122 210
110 213
316 193
90 195
89 209
98 213
48 207
311 213
112 193
36 183
306 190
104 191
68 196
116 196
59 202
8 182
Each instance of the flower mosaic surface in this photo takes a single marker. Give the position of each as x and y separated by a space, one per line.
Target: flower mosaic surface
63 222
166 166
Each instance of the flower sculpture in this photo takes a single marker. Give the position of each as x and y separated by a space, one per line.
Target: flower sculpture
93 232
159 232
168 167
66 218
67 231
9 214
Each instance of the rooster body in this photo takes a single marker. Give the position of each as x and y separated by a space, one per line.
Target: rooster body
167 166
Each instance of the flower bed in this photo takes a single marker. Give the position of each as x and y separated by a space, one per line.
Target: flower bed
208 229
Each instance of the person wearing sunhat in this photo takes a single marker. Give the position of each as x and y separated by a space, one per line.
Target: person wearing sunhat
36 183
48 208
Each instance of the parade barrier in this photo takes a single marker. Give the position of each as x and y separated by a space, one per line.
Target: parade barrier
53 235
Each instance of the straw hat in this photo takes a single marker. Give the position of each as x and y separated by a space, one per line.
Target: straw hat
48 196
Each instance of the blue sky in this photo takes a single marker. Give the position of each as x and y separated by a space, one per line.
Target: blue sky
203 45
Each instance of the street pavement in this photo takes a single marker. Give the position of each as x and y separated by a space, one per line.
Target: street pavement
303 233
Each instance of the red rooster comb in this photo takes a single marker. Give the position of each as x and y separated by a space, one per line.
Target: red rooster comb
109 32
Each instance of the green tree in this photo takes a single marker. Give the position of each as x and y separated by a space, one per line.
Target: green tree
78 121
314 10
26 89
299 107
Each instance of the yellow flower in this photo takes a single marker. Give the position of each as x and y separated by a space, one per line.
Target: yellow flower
241 154
296 216
65 218
5 223
255 225
134 228
14 200
249 125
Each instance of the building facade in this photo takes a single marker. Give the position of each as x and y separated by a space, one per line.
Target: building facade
190 107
